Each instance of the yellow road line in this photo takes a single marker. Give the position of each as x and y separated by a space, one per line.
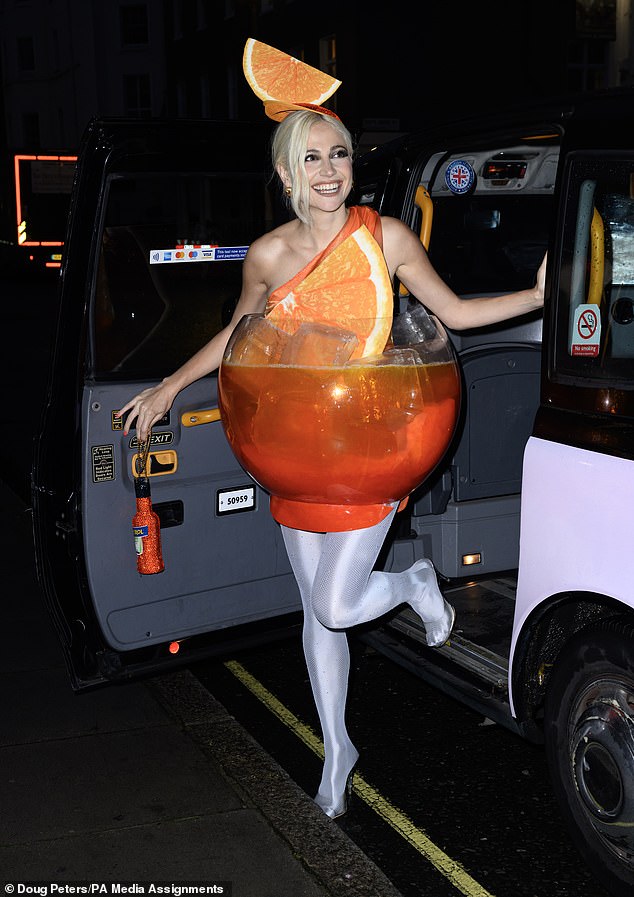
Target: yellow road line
452 870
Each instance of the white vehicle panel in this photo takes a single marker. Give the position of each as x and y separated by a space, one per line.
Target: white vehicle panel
585 544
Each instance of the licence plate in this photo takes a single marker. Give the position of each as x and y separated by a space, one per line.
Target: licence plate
230 501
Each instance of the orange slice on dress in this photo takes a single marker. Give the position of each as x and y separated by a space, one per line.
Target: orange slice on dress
350 289
274 75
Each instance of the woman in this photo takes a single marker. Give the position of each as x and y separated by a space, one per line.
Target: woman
312 154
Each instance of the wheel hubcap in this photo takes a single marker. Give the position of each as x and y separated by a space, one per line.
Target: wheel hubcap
602 756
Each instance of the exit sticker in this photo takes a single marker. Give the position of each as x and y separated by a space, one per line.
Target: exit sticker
586 331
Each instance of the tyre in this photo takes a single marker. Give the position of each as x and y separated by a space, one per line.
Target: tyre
589 732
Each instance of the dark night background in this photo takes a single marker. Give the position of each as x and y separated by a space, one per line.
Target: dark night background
402 65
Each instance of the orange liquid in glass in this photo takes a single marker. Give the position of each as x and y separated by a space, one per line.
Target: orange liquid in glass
356 434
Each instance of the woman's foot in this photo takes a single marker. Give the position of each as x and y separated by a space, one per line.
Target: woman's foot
437 614
335 788
438 631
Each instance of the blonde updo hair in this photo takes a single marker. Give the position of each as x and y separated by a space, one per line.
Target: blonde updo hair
288 151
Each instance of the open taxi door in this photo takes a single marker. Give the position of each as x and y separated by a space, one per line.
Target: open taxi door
161 218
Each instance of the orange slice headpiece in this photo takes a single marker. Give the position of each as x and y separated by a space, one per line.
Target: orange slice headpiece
285 84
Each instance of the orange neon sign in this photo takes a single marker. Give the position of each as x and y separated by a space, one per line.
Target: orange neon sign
23 236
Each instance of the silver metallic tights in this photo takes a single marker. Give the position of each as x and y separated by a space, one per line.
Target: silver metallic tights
339 589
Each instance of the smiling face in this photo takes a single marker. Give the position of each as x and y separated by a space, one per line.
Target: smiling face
313 156
328 166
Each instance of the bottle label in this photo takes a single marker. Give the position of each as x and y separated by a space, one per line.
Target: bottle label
140 532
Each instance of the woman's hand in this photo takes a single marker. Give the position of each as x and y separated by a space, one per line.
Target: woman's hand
146 408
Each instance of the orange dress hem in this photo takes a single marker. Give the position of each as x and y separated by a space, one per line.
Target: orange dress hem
316 517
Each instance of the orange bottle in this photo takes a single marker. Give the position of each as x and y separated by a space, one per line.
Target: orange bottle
147 530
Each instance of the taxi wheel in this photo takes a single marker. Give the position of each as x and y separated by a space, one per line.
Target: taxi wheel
589 732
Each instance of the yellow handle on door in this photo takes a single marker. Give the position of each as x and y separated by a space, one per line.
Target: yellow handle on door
157 463
423 200
203 416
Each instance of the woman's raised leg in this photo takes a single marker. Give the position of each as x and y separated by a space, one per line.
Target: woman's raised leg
346 592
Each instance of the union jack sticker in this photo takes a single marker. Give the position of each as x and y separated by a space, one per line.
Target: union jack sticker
459 176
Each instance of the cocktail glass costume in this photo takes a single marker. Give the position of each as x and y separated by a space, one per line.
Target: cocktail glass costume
333 538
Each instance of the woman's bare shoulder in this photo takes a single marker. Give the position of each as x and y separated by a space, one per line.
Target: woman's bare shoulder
271 246
400 244
394 227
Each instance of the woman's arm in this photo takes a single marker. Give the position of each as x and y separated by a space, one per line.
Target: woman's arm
406 258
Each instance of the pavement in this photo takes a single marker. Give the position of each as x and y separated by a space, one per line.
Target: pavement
146 782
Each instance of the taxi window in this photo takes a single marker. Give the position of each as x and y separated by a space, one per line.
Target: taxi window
492 236
488 246
170 266
595 324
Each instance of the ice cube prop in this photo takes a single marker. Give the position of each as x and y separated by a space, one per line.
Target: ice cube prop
257 341
309 425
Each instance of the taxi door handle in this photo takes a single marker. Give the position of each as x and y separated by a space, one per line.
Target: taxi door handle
202 416
597 259
157 463
423 200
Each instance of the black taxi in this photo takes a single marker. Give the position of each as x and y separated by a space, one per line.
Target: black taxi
528 516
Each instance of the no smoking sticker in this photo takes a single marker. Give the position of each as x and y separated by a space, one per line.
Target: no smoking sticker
586 331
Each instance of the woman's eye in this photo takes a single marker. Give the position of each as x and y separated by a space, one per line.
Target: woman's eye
335 154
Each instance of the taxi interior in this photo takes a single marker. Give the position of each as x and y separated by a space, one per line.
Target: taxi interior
488 240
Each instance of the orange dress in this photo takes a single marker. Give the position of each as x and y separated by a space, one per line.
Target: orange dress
357 215
317 516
